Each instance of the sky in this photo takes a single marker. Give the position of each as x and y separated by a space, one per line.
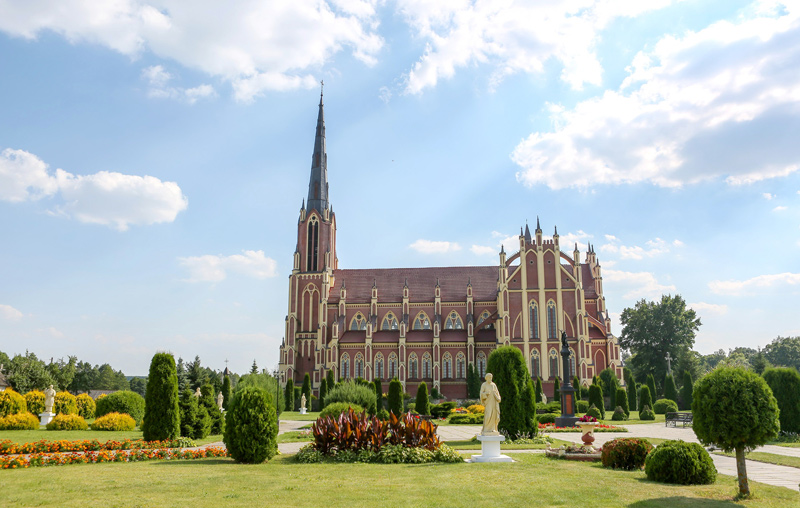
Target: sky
154 155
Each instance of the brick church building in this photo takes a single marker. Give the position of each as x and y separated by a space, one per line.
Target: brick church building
429 324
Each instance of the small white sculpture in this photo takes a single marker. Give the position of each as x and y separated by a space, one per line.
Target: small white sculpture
490 398
49 399
220 398
197 393
303 402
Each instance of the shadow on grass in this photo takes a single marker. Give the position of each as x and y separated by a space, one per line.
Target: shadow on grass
196 463
678 501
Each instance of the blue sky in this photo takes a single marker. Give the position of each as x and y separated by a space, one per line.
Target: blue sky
154 155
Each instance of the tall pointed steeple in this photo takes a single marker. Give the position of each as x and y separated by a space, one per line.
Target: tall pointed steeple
318 183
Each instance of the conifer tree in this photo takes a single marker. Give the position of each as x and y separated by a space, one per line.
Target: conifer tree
323 391
512 379
630 385
622 401
161 412
538 389
670 391
378 394
331 381
226 392
288 395
596 399
254 368
195 422
651 383
207 401
306 390
686 390
557 390
473 382
395 398
645 398
423 405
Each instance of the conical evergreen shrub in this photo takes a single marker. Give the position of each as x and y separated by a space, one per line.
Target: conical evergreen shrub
162 418
422 405
670 391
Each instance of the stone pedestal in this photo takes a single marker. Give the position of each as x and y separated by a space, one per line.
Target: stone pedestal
45 418
490 450
566 421
302 410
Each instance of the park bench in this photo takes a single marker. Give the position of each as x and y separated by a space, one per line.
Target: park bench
672 419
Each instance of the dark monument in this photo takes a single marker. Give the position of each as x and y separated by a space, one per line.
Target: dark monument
567 418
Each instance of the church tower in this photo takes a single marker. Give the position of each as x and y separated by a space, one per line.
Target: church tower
315 259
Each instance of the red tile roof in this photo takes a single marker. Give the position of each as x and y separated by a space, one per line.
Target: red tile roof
421 283
353 337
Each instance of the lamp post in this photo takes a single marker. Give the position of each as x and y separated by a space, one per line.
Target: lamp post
568 417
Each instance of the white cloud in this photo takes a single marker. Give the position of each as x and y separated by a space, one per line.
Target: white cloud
210 268
739 287
636 285
511 37
158 80
434 247
653 248
385 94
10 313
780 208
569 240
107 198
484 250
710 308
256 46
768 196
710 104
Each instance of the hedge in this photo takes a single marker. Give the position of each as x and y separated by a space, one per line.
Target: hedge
681 463
124 401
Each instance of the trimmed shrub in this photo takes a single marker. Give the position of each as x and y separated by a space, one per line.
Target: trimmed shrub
251 427
466 419
442 410
622 401
435 395
124 401
323 391
86 406
538 390
619 414
288 396
476 408
546 418
596 400
226 392
19 421
670 390
610 383
592 411
583 406
550 407
517 406
651 383
209 402
195 421
630 388
65 421
383 415
12 403
785 385
395 399
162 416
336 408
378 387
348 391
645 398
686 391
664 406
626 453
556 390
35 401
114 421
681 463
65 404
306 390
646 413
297 394
422 405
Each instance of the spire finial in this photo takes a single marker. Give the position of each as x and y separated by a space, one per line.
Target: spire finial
556 233
321 86
538 227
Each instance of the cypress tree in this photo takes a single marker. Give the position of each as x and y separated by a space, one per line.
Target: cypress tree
209 402
226 392
596 398
162 418
473 382
686 390
538 389
609 382
594 380
331 381
423 405
323 391
195 422
630 385
529 401
254 368
651 383
395 399
307 390
378 393
670 391
556 390
576 385
297 394
288 395
644 398
622 401
512 379
372 409
785 385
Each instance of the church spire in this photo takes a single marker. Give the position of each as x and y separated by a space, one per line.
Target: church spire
318 183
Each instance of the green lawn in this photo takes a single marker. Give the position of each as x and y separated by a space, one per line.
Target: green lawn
29 436
787 445
296 416
770 458
293 436
532 481
474 445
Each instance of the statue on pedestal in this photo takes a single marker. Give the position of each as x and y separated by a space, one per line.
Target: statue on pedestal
220 398
197 393
49 399
303 402
490 398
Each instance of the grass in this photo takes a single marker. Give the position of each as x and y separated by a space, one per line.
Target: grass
296 416
29 436
475 445
282 482
769 458
294 436
787 445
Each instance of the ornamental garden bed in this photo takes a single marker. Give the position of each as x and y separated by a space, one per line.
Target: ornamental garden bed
550 427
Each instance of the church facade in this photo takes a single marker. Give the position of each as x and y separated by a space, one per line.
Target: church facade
430 324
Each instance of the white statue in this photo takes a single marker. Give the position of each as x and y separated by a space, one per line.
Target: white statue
490 398
197 393
303 402
49 399
220 398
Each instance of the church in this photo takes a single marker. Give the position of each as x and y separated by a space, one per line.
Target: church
430 324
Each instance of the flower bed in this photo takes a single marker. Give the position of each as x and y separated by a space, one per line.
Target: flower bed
7 447
94 457
550 427
582 453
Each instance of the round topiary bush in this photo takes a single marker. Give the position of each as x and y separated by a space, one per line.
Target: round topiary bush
114 421
337 408
646 413
664 406
785 385
353 393
680 462
251 427
546 418
35 401
19 421
67 422
162 416
627 453
124 401
86 406
65 404
583 406
619 414
592 411
11 403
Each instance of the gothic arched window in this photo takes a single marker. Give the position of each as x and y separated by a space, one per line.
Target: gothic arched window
552 324
461 366
482 364
413 366
392 366
484 316
422 322
447 366
359 322
535 372
312 245
390 322
426 366
379 366
344 367
358 365
553 363
453 322
534 320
